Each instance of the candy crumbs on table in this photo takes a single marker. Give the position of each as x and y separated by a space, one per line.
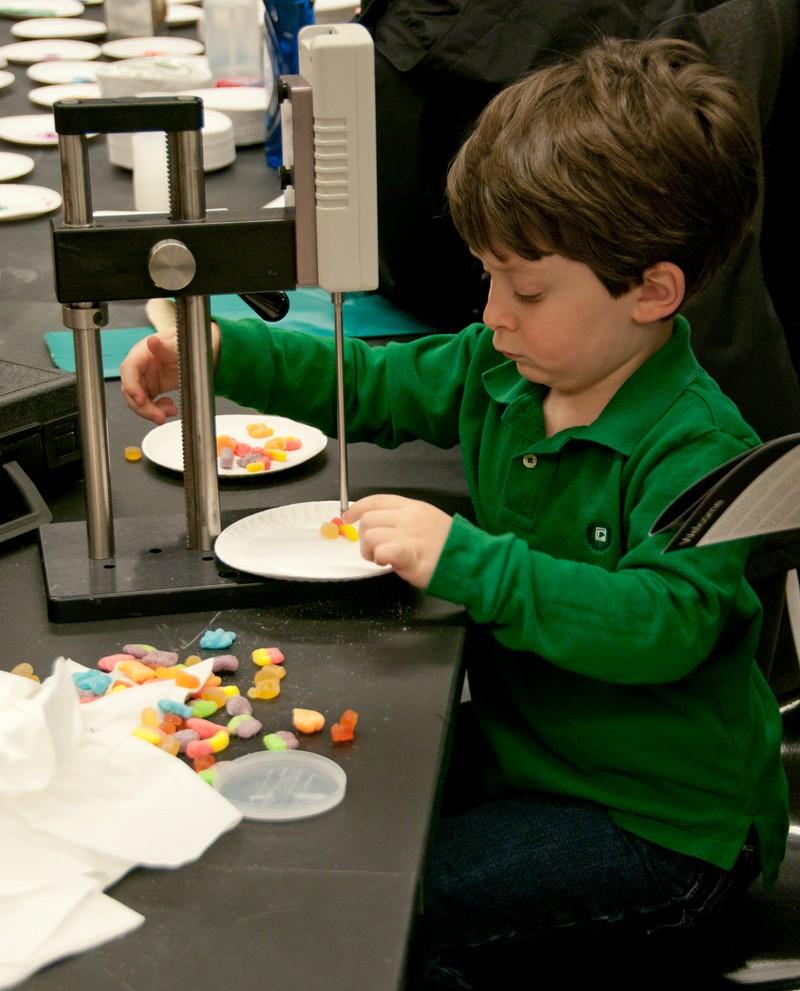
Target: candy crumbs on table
25 670
345 729
217 639
307 720
132 453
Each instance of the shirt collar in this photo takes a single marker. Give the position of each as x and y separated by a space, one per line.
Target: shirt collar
633 410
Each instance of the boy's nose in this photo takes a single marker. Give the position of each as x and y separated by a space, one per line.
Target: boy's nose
497 315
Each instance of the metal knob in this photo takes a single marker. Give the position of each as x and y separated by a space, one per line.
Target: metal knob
171 265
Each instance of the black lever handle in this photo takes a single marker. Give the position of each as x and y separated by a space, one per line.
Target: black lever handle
269 306
128 113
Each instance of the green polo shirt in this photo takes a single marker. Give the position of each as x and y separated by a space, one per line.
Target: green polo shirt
616 673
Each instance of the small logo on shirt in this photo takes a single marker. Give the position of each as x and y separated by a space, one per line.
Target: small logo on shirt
599 536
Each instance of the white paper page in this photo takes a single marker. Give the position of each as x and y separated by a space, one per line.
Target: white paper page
769 504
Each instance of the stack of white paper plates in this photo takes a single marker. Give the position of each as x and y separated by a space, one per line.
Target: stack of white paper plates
19 202
219 148
163 46
179 15
46 96
245 105
20 9
63 71
42 50
58 27
6 79
12 165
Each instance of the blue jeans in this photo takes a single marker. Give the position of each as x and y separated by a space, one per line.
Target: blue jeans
515 868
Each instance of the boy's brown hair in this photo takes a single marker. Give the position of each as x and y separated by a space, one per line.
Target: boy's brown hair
627 154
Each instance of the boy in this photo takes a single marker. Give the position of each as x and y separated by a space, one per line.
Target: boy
624 763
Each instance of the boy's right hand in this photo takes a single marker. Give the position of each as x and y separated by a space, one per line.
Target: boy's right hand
150 369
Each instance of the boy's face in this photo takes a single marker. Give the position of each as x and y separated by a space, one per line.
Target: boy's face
558 322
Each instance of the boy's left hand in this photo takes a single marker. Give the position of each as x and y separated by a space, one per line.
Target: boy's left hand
406 533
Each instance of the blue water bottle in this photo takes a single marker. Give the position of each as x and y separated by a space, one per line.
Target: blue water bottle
282 22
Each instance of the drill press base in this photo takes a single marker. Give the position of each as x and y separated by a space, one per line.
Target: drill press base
153 572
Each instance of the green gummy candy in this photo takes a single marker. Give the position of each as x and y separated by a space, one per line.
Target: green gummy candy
204 707
208 775
274 742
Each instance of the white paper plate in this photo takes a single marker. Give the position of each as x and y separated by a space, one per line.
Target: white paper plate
6 79
12 165
163 444
58 27
43 50
29 129
149 47
63 71
46 96
18 9
285 542
18 202
179 15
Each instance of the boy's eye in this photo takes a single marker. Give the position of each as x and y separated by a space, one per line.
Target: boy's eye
534 298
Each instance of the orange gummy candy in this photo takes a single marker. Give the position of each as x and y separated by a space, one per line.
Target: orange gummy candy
345 729
268 689
307 720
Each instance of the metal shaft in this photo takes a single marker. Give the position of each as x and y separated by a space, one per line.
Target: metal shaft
337 299
201 491
83 319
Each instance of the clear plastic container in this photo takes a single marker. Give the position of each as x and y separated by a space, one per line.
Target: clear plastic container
234 41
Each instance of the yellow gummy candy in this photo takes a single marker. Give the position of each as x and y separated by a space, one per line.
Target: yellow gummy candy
270 672
133 453
275 454
254 466
329 530
349 531
269 690
148 734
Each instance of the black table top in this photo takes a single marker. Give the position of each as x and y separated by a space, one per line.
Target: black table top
301 905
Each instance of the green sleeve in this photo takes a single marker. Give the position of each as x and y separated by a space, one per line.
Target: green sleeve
652 619
400 392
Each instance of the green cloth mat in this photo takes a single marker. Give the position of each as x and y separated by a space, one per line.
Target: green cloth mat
365 315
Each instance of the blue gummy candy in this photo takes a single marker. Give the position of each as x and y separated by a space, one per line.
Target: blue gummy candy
216 639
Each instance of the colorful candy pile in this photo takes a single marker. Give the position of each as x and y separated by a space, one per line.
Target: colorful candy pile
185 728
233 453
336 527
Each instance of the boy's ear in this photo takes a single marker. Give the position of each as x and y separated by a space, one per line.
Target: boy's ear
660 294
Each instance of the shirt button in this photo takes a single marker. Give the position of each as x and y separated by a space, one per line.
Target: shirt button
530 460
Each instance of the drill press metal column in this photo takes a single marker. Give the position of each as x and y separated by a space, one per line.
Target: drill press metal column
201 490
85 320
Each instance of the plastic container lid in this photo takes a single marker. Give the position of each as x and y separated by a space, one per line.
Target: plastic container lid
281 785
